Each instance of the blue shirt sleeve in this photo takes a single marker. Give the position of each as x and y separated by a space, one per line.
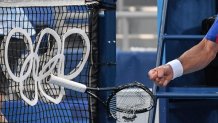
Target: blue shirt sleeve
212 34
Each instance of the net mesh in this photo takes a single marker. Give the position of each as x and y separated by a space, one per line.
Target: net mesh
28 56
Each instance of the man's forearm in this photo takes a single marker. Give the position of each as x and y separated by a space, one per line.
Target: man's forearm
198 56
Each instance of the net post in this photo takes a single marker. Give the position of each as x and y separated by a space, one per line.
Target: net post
107 56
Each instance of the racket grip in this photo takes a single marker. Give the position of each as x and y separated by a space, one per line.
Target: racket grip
67 83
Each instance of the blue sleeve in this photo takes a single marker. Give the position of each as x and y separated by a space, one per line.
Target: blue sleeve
212 34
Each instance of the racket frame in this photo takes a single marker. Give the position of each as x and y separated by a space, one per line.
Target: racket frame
79 87
115 90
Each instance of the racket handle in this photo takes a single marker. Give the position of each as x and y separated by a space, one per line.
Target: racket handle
67 83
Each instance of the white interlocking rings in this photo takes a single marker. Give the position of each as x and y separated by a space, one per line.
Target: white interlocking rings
31 63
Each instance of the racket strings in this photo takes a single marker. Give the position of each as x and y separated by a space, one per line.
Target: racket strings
144 99
128 102
137 99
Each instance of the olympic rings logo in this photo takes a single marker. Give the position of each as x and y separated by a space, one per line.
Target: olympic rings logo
30 66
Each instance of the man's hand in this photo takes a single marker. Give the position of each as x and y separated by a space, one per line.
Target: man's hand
161 75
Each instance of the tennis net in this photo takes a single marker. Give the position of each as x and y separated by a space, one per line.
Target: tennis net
43 37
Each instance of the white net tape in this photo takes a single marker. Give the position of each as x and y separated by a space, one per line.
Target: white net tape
21 3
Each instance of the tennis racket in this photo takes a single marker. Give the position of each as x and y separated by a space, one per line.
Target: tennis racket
123 102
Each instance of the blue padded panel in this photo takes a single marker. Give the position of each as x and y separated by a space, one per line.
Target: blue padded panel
134 66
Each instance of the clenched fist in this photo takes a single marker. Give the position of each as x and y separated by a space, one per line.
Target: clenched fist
161 75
